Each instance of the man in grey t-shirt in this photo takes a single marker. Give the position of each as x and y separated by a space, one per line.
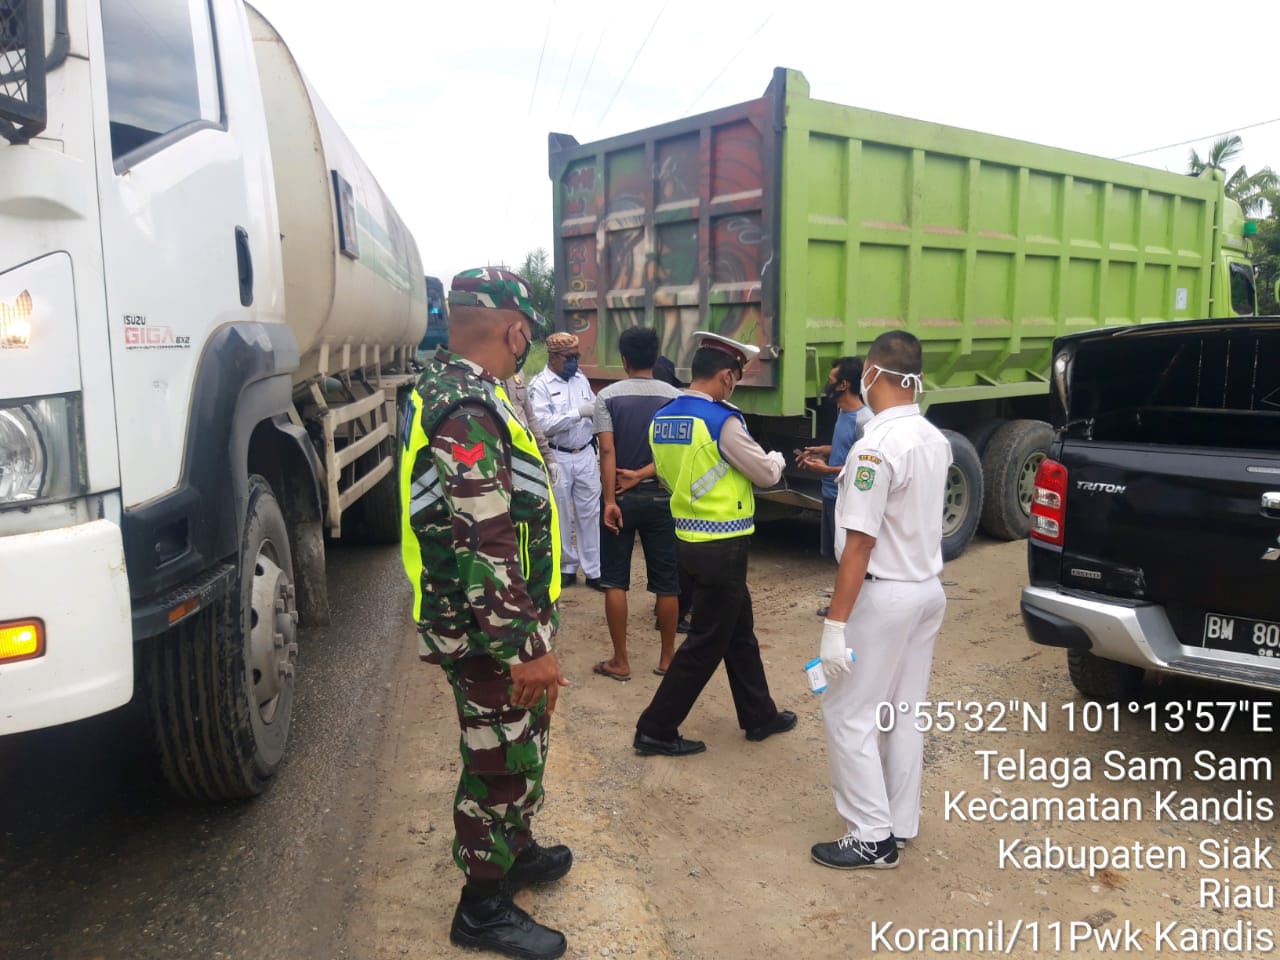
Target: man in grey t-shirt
634 502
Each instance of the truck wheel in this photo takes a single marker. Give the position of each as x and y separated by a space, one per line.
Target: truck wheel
380 506
1009 467
220 685
963 504
1104 680
979 434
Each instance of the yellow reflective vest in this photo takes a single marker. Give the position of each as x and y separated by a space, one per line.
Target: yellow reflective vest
710 498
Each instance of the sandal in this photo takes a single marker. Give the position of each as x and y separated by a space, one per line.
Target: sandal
600 669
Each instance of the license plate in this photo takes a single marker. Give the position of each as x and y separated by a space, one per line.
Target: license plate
1242 635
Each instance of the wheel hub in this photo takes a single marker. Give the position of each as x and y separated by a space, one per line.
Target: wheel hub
1027 481
956 504
273 634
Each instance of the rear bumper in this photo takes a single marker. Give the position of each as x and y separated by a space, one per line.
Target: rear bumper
74 580
1137 634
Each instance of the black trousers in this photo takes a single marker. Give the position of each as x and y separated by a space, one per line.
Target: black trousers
722 628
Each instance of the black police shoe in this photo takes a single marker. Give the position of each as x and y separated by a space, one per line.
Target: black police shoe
679 747
850 853
784 721
537 864
495 923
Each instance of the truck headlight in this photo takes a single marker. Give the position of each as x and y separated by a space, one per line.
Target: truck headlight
40 448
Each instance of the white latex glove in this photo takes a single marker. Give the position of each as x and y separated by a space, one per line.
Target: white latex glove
776 457
833 652
553 468
587 410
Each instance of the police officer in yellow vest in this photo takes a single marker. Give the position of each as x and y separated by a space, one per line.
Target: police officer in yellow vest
704 455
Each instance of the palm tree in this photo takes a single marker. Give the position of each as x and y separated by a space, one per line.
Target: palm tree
1252 190
1247 189
1223 151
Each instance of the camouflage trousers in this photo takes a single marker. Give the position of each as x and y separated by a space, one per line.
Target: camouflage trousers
504 752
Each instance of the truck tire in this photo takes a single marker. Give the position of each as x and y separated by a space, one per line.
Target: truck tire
1009 469
1104 680
979 434
963 504
380 506
220 685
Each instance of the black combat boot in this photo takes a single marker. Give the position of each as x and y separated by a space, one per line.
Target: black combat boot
539 865
486 919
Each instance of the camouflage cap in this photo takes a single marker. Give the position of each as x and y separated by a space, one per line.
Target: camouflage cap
497 289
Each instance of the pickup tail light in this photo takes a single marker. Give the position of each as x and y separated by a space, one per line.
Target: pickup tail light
1049 504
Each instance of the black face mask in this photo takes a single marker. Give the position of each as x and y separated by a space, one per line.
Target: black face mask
832 391
523 355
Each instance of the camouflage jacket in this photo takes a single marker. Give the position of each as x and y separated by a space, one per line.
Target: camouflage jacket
481 537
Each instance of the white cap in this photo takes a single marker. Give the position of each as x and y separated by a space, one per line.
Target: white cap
744 353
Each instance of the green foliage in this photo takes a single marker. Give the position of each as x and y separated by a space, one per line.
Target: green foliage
538 271
1266 257
1248 189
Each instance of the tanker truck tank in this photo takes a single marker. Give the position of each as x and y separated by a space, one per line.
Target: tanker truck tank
353 278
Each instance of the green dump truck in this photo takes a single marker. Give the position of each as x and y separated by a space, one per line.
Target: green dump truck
808 228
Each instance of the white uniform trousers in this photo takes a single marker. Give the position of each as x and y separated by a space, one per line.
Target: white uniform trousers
875 776
578 500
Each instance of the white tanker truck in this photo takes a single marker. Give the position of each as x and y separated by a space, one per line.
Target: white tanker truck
207 309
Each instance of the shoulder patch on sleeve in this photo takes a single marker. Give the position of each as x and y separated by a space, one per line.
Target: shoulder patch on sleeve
869 458
864 477
468 456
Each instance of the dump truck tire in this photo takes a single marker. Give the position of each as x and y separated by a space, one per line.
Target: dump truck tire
963 504
1009 471
980 433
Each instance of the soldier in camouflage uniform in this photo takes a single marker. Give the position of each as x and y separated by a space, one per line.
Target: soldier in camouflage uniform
481 549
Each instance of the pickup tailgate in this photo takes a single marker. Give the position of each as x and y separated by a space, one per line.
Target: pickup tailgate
1172 450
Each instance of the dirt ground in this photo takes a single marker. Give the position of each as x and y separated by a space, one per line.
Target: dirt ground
707 857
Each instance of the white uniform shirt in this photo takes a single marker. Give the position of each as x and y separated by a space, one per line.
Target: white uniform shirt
556 403
893 488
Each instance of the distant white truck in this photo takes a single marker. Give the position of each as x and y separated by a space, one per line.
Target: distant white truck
207 310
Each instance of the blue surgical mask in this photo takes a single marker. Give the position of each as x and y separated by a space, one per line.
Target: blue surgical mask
569 369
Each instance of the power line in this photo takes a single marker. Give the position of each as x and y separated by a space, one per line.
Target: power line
582 89
623 83
572 57
741 49
546 36
1211 136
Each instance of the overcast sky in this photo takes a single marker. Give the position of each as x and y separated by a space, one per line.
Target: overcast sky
450 103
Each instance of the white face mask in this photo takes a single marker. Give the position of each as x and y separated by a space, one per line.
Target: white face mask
912 380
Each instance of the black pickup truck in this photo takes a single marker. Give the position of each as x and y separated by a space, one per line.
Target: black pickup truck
1155 537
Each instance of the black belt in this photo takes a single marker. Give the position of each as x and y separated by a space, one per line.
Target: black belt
647 488
568 450
872 576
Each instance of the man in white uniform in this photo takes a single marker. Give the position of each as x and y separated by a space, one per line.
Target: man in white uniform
887 605
564 405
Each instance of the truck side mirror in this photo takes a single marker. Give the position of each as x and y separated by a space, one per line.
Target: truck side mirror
22 60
